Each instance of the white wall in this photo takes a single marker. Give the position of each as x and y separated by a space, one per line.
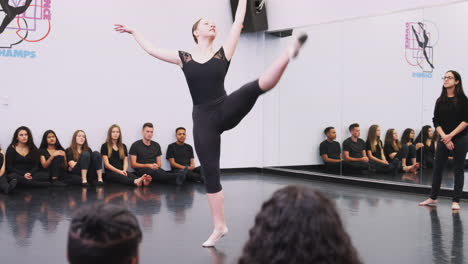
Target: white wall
86 76
356 71
297 13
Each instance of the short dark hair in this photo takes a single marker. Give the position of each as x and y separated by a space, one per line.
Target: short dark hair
148 124
103 233
352 126
298 225
180 128
327 130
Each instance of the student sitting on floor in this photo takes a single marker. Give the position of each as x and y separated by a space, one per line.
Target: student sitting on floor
330 151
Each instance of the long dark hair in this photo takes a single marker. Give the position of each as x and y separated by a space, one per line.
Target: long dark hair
405 138
44 144
459 93
31 146
396 145
423 135
298 225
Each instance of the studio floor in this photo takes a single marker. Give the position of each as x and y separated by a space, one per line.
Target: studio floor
385 226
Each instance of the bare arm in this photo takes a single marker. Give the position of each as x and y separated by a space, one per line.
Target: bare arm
231 43
158 161
171 56
348 158
329 160
107 165
175 165
136 165
2 166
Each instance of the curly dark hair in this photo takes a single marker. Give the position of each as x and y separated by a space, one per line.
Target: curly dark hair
103 233
298 225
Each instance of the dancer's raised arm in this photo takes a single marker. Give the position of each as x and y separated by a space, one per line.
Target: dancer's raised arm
231 43
171 56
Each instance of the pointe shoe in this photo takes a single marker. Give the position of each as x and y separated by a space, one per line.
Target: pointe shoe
215 237
294 48
455 206
428 202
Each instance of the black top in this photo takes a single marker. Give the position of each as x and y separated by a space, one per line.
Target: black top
46 154
145 154
332 149
388 149
354 148
15 163
378 149
182 154
69 154
205 80
114 159
449 115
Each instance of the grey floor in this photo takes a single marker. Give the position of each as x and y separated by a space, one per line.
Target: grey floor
386 227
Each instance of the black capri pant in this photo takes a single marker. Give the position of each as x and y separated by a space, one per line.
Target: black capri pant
211 119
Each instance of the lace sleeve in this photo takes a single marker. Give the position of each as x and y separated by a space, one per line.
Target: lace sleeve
220 55
184 57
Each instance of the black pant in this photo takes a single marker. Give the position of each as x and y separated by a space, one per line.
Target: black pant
442 154
39 179
392 166
192 175
119 178
355 165
408 153
211 119
88 161
162 176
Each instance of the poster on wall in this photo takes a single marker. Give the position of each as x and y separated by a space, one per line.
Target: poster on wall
24 24
420 43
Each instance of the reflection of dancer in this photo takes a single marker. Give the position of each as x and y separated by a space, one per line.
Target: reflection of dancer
214 111
423 45
438 248
11 12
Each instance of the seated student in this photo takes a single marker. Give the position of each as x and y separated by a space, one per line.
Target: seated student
115 157
6 185
83 161
22 160
104 233
330 151
375 152
298 225
180 155
393 149
426 154
145 158
408 139
54 162
354 150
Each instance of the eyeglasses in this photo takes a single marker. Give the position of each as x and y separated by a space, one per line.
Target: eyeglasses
447 78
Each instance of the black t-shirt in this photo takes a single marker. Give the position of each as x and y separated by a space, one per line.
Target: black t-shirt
449 115
114 158
332 149
15 163
145 154
69 154
354 148
182 154
388 149
378 149
46 154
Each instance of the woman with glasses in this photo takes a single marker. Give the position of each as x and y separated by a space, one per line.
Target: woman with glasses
450 120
